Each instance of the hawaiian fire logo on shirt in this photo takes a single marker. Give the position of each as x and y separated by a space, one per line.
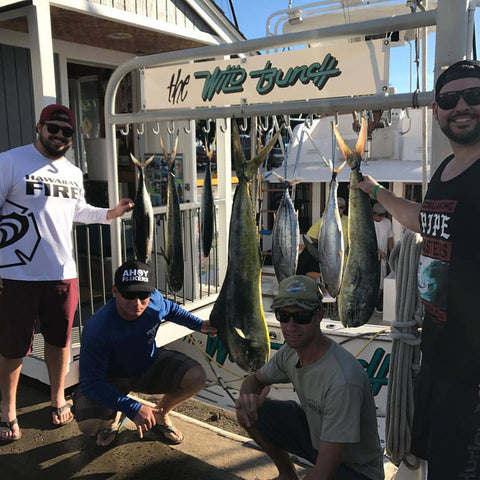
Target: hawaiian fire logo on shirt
13 231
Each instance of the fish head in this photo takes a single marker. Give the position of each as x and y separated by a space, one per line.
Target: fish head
249 353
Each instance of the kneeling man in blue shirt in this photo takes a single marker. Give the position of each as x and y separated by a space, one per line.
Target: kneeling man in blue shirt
119 355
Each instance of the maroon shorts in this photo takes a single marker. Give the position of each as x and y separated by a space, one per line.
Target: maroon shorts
23 303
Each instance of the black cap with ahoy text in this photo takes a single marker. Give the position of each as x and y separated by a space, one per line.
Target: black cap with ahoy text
134 276
298 291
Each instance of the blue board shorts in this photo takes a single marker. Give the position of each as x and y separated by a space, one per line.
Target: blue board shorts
164 376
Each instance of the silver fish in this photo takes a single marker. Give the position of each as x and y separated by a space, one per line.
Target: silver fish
173 253
238 312
142 215
330 239
361 278
285 235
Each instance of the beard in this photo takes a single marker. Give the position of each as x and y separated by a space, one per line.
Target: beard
466 136
55 150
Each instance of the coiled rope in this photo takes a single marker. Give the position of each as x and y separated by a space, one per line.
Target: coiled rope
405 356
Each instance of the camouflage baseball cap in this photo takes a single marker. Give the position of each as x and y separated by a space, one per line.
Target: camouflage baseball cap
298 291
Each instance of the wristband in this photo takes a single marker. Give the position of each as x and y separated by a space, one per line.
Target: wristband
375 191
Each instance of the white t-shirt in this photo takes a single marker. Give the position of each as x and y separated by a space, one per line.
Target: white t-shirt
384 231
39 201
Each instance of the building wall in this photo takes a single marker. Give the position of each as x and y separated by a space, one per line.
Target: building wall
17 116
176 12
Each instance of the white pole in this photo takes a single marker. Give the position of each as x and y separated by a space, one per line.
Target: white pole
450 47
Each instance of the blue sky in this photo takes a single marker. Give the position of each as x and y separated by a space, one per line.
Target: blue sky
252 16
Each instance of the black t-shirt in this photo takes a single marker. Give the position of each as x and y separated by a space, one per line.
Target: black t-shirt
449 275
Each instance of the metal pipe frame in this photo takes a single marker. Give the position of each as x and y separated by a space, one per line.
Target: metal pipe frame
371 27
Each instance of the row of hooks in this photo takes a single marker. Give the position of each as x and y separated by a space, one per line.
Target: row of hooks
263 124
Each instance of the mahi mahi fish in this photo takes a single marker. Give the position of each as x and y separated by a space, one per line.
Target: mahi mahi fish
173 253
142 215
359 291
285 235
238 312
330 239
207 210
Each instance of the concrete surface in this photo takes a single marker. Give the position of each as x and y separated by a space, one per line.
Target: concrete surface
64 453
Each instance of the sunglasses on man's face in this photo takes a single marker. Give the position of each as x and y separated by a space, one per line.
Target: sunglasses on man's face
135 295
300 318
53 128
449 100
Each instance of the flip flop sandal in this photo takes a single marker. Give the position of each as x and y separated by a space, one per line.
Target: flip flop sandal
163 430
10 426
104 433
58 412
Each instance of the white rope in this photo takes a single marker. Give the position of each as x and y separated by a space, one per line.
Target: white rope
405 356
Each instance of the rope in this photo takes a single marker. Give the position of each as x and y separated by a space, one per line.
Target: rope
405 356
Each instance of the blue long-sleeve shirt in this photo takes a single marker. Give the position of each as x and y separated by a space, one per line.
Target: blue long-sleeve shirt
114 347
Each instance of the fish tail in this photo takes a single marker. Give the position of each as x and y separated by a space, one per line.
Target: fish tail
140 165
353 158
253 165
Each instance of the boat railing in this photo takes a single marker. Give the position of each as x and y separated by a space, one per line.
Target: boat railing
93 258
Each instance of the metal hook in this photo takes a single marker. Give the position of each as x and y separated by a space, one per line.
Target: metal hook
124 131
370 116
337 120
171 129
142 131
244 127
264 126
187 130
207 128
389 117
156 130
223 128
309 121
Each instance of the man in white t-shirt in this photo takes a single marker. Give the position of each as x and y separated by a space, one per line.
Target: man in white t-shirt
383 229
335 425
41 195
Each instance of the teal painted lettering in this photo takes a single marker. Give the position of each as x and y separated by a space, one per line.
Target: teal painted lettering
377 370
270 77
227 81
214 345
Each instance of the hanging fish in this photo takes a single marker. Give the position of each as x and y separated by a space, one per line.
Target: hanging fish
361 278
238 312
142 215
330 238
173 253
207 210
285 235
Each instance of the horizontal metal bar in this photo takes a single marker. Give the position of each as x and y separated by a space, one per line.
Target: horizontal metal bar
369 27
322 105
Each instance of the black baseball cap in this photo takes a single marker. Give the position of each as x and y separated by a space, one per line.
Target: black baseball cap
462 69
134 276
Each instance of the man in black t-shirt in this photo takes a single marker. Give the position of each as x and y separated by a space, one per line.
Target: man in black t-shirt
446 429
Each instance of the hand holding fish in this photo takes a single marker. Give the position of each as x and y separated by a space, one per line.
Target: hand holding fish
208 328
366 185
123 206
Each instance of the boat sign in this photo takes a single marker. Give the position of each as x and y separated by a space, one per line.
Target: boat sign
334 71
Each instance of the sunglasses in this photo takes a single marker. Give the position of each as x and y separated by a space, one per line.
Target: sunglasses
53 128
449 100
135 295
300 318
